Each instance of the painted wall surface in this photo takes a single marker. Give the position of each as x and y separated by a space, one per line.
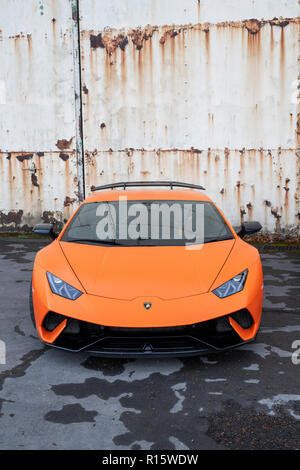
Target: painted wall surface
38 165
200 91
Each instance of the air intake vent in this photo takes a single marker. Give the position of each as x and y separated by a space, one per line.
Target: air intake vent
243 318
52 320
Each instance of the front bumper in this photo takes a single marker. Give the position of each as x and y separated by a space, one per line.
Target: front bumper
203 338
175 327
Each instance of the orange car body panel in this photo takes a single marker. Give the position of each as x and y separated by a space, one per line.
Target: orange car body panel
116 281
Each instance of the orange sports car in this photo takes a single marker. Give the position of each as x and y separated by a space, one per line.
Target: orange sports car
142 270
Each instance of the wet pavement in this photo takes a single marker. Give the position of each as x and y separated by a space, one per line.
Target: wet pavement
247 398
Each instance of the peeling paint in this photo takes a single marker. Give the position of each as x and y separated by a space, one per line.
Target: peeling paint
253 26
110 44
69 201
12 217
64 144
34 180
64 156
24 157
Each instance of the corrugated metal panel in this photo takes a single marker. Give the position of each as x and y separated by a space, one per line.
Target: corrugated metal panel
36 51
205 94
37 187
121 14
203 91
217 88
37 109
247 185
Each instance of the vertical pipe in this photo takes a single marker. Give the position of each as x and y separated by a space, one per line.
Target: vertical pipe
78 99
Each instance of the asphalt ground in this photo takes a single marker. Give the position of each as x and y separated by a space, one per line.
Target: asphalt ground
246 398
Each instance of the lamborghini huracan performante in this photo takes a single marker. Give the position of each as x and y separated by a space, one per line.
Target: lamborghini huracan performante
147 269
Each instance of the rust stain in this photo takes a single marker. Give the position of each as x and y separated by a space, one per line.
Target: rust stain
193 150
272 43
199 11
12 217
110 44
253 26
169 33
69 201
205 27
64 156
139 35
207 45
250 210
123 78
140 73
253 191
34 180
254 40
286 200
29 44
96 41
274 212
298 128
238 189
112 39
282 63
24 157
64 144
48 217
280 22
103 133
53 26
286 187
11 181
242 212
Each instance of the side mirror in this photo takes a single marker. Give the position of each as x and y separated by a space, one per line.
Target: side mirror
45 229
249 228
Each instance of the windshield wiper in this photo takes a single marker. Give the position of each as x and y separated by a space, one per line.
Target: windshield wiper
97 242
219 239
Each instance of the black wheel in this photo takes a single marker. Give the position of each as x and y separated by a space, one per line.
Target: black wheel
31 305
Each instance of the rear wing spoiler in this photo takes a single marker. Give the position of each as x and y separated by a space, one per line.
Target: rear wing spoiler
128 184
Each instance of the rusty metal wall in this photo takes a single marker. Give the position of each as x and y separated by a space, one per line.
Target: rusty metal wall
38 161
202 91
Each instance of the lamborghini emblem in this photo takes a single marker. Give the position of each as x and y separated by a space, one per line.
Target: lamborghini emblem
147 305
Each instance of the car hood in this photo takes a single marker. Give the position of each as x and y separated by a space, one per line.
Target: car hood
166 272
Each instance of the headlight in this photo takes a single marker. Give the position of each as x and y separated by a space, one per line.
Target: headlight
61 288
236 284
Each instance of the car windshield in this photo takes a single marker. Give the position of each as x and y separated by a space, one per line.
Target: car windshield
147 223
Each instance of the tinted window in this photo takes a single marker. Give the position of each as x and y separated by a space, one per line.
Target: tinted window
137 223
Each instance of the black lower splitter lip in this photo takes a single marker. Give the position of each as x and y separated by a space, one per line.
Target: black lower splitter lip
102 348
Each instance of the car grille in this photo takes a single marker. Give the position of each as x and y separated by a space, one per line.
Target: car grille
204 337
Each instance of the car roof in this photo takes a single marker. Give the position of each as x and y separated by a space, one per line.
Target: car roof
148 194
